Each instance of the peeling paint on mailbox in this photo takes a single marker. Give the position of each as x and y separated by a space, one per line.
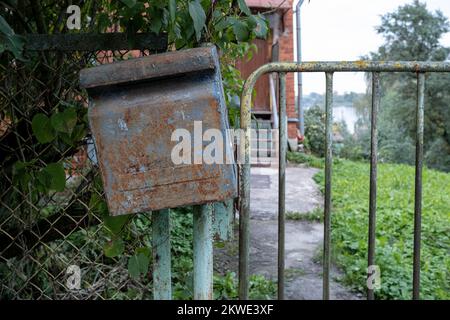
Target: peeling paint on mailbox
135 105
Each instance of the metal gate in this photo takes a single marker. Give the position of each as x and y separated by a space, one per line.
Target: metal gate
420 68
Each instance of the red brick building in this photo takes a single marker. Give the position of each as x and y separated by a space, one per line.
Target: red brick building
279 46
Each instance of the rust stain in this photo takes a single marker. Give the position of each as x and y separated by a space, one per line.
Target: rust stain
361 63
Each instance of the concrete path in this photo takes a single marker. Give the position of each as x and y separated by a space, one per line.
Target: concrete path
303 238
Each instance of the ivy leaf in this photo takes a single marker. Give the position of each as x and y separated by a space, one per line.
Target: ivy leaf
261 29
137 265
10 41
78 133
129 3
5 28
64 121
156 24
114 248
198 17
172 10
240 30
144 250
54 176
20 175
115 223
42 129
103 21
244 8
222 24
97 205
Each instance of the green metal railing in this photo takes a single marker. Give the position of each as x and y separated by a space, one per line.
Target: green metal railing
420 68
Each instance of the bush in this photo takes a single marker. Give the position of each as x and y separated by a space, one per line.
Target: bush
438 156
315 130
315 118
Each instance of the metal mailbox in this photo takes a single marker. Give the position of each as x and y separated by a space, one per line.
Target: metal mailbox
135 107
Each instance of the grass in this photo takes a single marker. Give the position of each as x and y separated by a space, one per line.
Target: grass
260 288
303 158
394 236
313 216
395 220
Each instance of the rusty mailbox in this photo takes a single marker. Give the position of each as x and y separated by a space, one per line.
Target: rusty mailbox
135 107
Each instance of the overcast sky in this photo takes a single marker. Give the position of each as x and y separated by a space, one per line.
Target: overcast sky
345 30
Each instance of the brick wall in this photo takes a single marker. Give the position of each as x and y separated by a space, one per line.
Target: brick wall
286 42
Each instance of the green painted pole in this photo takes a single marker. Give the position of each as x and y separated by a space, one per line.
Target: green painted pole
162 286
223 220
203 252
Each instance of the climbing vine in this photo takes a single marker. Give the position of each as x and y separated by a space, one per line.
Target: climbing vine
45 117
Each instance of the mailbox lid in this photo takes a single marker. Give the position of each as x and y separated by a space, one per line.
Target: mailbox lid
157 66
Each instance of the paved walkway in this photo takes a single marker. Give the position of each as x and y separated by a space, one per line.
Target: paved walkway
303 238
303 242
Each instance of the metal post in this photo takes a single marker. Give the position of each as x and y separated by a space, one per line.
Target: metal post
244 194
418 184
327 207
282 134
162 287
203 252
373 176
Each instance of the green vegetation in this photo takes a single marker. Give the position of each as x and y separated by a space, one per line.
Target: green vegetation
225 286
316 215
310 160
411 33
44 125
395 210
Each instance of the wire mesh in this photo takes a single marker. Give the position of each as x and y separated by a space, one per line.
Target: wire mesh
46 235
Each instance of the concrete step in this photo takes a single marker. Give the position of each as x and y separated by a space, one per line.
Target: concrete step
263 161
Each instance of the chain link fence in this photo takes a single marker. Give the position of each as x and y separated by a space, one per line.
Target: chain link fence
53 233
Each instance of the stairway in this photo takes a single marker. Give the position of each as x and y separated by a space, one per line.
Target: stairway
263 144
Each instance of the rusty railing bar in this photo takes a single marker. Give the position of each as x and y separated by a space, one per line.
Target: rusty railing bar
327 203
376 96
203 252
418 183
244 189
282 138
351 66
162 284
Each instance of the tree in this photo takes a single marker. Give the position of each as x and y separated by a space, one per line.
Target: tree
412 33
